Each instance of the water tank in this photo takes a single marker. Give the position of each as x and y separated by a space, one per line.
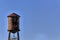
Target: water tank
13 22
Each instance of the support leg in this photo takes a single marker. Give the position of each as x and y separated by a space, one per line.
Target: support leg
9 36
18 35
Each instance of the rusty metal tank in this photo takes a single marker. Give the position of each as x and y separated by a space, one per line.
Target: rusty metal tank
13 23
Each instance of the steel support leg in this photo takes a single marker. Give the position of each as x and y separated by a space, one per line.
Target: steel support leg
18 35
9 36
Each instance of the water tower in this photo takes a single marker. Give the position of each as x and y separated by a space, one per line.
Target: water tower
13 26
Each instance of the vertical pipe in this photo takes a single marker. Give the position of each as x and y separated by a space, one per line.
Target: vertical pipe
9 36
18 35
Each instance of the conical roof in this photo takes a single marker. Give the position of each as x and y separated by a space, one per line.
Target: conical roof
13 15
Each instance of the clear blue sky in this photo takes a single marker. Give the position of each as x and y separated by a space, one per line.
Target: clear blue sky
40 19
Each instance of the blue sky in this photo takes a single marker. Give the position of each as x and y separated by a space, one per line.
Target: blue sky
40 19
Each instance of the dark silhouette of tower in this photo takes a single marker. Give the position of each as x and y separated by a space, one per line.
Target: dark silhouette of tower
13 25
